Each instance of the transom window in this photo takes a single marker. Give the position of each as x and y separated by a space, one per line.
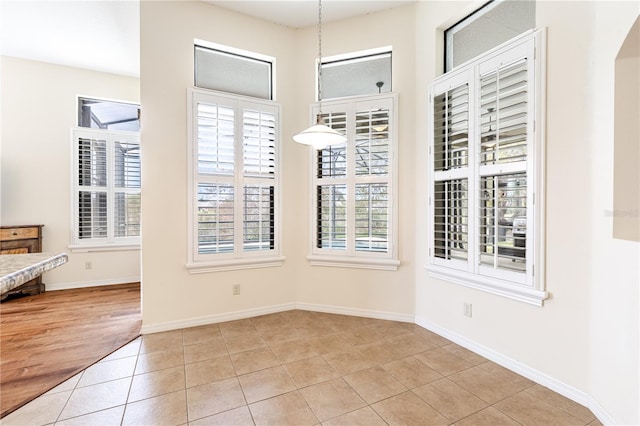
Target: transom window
232 70
108 115
361 73
496 22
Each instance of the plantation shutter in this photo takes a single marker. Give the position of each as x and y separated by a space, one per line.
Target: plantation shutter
92 192
107 186
483 161
450 163
236 174
331 190
259 162
372 166
216 140
126 188
503 159
353 180
216 166
215 218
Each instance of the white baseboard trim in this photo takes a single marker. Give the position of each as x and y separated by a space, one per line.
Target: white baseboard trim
602 414
215 318
341 310
83 284
249 313
530 373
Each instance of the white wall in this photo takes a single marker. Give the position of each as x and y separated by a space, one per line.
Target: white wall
39 108
171 296
590 322
389 293
614 317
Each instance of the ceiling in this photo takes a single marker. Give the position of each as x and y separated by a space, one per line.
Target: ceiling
105 36
302 13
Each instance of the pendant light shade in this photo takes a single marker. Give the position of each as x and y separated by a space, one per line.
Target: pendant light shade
320 135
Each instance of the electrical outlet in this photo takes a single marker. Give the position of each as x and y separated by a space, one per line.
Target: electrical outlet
236 289
467 310
88 265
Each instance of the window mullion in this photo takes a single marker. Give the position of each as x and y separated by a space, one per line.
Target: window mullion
350 248
239 180
110 186
473 186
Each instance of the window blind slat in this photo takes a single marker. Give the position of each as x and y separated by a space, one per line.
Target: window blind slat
126 165
92 162
215 218
215 135
451 129
126 214
451 219
504 114
372 143
371 214
92 214
331 226
258 218
332 160
503 218
259 143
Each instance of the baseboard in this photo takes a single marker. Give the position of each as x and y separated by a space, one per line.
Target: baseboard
249 313
602 414
530 373
216 318
82 284
367 313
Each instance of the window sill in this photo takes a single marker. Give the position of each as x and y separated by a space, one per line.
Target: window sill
85 248
234 265
490 285
354 262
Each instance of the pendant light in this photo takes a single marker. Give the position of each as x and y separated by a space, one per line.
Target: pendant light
320 135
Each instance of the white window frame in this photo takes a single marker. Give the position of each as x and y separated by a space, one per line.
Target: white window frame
239 53
528 286
238 259
111 242
350 257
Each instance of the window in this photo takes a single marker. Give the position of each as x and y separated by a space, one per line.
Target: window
354 186
232 70
108 115
234 179
486 172
234 182
106 189
361 73
491 25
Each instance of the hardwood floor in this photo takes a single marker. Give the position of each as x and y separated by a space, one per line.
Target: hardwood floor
48 338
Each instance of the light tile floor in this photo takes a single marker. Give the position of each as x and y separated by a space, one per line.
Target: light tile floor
299 368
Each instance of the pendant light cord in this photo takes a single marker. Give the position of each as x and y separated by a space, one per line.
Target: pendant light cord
320 58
